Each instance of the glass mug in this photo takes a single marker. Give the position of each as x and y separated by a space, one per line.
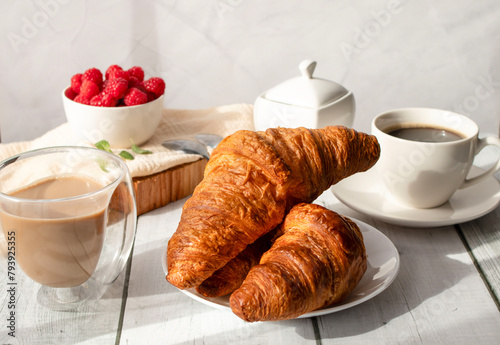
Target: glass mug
68 215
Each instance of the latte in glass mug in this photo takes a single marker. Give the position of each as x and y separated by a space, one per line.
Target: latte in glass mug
63 248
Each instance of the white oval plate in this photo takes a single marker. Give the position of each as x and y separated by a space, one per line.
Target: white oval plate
365 193
382 269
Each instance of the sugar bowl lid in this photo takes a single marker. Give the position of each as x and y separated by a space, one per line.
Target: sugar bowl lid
306 91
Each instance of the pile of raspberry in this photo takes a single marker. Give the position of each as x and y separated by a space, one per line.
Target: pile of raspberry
119 87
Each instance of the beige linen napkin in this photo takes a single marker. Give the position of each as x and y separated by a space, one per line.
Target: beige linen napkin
222 120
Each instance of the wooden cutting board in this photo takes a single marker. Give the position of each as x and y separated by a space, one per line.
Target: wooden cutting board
173 184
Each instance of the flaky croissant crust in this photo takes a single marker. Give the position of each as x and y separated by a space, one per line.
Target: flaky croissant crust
317 261
251 180
242 197
230 277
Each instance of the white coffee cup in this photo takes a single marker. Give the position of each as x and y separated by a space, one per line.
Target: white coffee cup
426 174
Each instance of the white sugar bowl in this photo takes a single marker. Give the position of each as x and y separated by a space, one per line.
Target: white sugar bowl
304 102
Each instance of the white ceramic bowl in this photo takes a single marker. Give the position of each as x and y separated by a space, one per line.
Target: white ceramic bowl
120 126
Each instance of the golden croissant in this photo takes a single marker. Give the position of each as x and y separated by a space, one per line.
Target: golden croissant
316 262
250 182
228 278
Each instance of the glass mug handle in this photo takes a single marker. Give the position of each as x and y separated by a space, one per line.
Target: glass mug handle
482 143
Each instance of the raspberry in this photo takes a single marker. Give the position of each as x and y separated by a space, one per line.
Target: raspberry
135 97
94 75
134 82
116 88
76 82
111 70
108 100
103 100
155 85
70 93
81 99
119 74
151 96
137 72
96 101
89 89
119 87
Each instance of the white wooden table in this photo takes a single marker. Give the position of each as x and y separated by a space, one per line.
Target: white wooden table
447 292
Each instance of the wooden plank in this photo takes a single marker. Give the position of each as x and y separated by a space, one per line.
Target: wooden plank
158 313
438 296
483 238
96 323
483 235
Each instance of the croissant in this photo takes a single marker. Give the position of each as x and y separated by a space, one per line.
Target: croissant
317 262
229 277
251 180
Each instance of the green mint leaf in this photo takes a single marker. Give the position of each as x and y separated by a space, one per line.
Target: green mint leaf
126 155
103 145
140 151
103 165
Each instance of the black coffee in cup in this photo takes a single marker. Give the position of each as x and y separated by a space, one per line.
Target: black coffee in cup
425 134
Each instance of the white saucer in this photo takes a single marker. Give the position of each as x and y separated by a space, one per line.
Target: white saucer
365 193
382 269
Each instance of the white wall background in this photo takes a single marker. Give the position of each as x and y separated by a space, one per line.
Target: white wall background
390 53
